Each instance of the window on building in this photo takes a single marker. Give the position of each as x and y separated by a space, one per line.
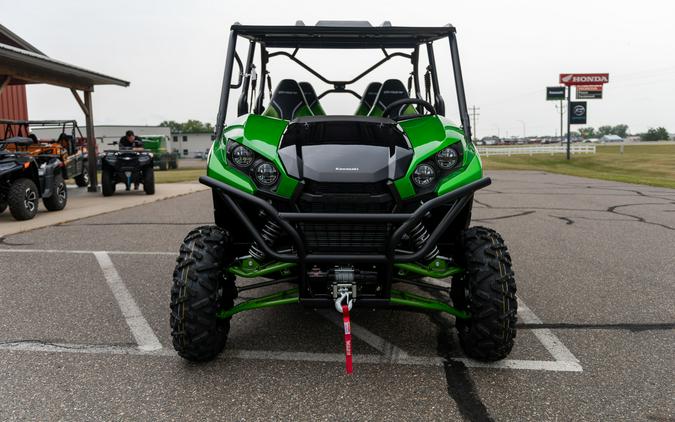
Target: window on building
175 138
184 138
185 152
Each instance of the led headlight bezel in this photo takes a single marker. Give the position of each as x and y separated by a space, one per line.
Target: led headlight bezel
447 163
430 172
258 176
234 157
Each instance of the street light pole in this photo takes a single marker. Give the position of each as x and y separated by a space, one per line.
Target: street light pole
524 128
561 108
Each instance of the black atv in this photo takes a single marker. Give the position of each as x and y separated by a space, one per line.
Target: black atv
24 179
131 166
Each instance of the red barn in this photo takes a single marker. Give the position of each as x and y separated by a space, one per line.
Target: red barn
13 104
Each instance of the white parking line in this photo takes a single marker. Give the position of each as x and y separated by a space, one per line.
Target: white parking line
85 252
549 340
145 337
148 344
535 365
378 343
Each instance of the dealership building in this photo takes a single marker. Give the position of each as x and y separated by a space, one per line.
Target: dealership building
188 145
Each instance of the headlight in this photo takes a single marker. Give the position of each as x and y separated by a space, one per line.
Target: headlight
266 174
423 175
447 158
242 156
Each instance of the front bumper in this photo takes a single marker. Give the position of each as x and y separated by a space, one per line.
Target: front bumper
401 223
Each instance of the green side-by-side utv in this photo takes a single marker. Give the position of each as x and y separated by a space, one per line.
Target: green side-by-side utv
164 159
370 209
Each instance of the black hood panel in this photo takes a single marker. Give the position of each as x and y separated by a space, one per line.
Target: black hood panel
345 149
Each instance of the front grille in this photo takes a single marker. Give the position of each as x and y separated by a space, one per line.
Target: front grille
346 188
346 238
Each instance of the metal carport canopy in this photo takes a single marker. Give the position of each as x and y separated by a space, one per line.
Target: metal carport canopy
21 67
342 36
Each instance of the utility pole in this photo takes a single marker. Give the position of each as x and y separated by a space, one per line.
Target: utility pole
561 108
474 113
569 123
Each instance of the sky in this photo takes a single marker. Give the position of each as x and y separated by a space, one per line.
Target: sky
173 53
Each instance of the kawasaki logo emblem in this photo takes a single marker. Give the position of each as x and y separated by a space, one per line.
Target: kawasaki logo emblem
346 169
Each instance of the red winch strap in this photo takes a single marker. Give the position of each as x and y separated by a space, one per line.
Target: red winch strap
348 338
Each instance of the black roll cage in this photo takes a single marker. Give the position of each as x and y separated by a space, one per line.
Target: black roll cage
332 37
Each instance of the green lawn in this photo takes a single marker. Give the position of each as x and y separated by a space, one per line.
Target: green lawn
179 175
175 176
643 164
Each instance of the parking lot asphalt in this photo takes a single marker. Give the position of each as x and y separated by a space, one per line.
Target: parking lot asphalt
83 204
84 332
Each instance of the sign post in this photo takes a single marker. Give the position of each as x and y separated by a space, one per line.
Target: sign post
586 84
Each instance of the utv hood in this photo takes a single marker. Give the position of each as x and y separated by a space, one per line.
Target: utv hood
345 149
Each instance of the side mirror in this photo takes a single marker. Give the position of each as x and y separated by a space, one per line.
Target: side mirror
241 71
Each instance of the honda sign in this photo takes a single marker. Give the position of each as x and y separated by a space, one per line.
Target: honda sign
584 78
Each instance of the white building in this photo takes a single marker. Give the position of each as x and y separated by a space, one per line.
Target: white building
190 145
107 134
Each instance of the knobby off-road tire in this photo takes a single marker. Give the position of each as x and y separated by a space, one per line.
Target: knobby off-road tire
487 290
83 179
23 199
201 288
57 201
163 164
3 204
107 183
149 181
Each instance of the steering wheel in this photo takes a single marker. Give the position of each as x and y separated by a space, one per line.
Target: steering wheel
398 105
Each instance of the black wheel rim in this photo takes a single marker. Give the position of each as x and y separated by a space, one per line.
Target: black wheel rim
61 192
30 199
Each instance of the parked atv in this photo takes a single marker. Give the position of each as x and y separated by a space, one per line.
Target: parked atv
65 145
128 166
353 210
24 179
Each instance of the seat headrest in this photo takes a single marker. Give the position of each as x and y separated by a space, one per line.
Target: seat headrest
287 99
370 94
391 90
310 94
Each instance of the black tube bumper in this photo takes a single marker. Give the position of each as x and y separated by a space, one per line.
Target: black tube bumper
406 221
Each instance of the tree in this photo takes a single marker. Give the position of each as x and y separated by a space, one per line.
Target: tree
195 126
604 130
658 134
191 126
620 130
587 132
